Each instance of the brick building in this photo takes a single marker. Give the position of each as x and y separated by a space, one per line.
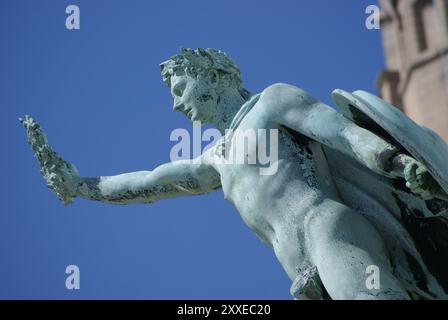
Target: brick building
415 41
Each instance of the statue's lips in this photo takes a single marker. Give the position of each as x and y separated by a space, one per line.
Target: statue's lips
187 111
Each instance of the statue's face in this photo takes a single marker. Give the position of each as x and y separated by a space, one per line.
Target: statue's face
197 99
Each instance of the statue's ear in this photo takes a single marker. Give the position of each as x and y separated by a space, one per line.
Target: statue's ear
213 78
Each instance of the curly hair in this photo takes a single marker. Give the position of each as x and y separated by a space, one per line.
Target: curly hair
199 62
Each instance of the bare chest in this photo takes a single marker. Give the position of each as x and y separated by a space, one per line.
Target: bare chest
290 182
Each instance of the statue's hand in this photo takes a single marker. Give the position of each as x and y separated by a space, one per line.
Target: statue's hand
420 181
60 175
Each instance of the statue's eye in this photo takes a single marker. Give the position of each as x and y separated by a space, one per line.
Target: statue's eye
178 89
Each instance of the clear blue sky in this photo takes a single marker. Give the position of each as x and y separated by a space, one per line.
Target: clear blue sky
98 94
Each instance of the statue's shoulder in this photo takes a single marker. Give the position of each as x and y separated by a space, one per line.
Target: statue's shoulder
283 95
281 88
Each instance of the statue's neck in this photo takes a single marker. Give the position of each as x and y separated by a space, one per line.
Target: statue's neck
229 104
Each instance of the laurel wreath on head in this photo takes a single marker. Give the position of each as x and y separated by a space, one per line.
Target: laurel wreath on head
199 62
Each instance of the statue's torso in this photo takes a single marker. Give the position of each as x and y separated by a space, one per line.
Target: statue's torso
276 206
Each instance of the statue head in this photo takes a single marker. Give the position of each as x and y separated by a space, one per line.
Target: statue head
198 79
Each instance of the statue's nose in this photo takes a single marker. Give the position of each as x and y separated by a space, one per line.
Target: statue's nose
178 107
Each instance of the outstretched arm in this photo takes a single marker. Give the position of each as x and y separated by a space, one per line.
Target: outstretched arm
169 180
166 181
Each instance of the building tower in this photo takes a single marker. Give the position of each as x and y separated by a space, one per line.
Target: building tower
415 41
